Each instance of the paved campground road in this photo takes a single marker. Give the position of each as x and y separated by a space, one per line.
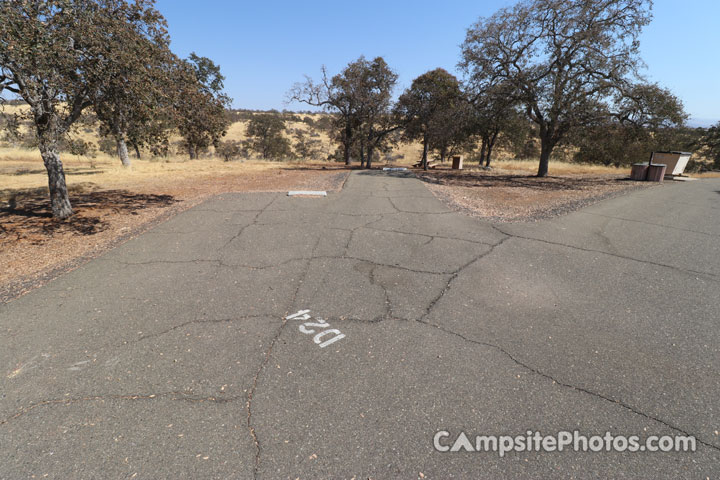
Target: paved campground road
171 355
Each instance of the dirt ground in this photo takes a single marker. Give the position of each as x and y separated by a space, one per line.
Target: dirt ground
34 247
515 195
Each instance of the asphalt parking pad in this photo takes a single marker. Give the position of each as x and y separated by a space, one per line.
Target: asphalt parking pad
343 288
132 437
239 202
625 338
409 294
415 252
442 225
173 355
268 245
155 363
368 406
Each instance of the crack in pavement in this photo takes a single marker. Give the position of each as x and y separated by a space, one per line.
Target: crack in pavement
253 222
221 264
433 237
359 259
174 396
263 364
583 390
368 226
177 395
687 271
393 205
251 393
217 263
373 281
190 322
605 239
400 211
649 223
454 275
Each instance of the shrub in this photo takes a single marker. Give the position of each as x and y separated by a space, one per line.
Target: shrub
107 145
229 150
82 148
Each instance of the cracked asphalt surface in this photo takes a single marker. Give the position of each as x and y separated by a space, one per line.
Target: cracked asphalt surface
171 355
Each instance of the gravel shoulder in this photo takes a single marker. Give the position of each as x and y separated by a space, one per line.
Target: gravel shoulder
509 196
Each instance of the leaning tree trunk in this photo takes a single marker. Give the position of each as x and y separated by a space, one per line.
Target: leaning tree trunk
137 150
59 198
426 145
122 151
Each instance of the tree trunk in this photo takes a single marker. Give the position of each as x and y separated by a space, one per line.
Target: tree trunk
59 198
346 154
347 143
368 160
426 145
362 156
483 149
123 151
546 149
192 151
490 145
137 150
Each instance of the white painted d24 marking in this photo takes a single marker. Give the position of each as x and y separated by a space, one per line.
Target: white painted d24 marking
309 328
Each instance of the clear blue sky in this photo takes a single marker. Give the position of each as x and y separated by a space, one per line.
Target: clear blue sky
264 47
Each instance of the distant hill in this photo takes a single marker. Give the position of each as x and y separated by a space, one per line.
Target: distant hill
702 122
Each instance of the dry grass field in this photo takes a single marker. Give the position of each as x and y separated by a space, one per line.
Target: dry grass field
22 169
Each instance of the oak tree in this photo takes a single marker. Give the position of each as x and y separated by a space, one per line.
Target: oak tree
711 141
495 116
132 104
200 104
434 111
266 136
306 147
644 114
566 60
373 87
55 55
360 98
